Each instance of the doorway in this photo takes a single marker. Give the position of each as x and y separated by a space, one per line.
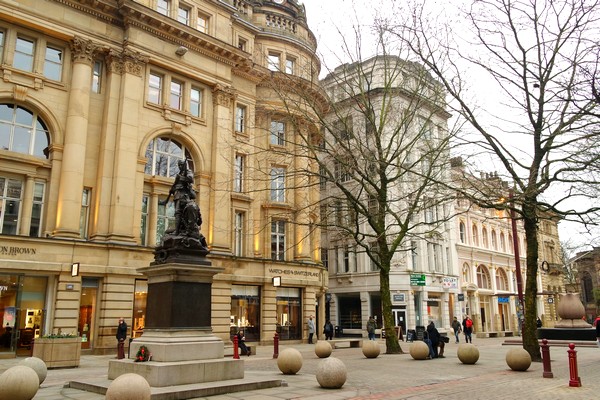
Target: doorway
87 308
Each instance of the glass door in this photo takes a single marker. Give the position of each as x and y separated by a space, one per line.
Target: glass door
8 313
87 308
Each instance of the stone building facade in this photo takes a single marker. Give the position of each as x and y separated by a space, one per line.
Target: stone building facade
99 100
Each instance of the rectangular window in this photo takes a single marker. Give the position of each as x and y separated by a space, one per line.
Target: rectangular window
278 240
140 301
196 102
37 210
97 77
24 51
414 256
165 219
1 45
238 234
163 7
374 259
240 118
155 83
290 65
278 184
273 62
10 202
277 133
325 257
175 94
183 15
346 259
242 44
84 216
144 222
202 23
245 311
238 173
53 63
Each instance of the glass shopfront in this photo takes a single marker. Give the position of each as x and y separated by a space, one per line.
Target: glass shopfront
245 311
22 312
140 298
87 308
289 314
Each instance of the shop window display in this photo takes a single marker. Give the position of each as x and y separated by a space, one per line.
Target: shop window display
245 311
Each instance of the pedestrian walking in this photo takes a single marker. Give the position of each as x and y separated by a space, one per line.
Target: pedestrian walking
311 329
371 325
121 336
328 330
467 326
457 329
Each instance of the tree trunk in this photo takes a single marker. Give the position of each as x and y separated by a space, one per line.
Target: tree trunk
530 341
392 346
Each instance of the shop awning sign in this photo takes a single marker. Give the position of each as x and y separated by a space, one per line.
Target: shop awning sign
417 279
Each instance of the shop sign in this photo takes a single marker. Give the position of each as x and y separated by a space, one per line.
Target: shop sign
15 251
294 272
503 300
449 282
461 297
398 298
417 279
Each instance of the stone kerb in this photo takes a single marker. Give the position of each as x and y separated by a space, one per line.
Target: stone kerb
19 383
289 361
331 373
323 349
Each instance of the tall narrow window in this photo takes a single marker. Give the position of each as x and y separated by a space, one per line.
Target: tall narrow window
325 257
163 7
176 94
278 240
238 234
462 232
144 222
290 66
273 61
277 133
10 203
238 178
242 44
155 83
84 216
53 63
37 210
196 102
240 118
183 15
202 23
414 256
278 184
23 58
97 77
1 45
165 219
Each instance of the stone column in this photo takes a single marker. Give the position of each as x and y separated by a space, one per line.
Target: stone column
26 206
72 172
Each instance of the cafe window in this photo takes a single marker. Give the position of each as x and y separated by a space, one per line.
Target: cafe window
245 311
289 313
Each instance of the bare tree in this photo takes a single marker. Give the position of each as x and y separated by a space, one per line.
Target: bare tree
544 134
383 160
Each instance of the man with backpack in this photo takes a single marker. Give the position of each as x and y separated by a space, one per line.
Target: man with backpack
468 329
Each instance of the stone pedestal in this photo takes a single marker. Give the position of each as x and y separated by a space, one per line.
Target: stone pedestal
178 332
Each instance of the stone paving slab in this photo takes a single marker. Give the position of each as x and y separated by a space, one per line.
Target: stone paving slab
388 376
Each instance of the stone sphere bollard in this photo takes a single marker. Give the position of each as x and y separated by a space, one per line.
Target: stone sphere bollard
289 361
38 365
331 373
370 348
323 349
467 353
129 387
419 350
518 359
19 383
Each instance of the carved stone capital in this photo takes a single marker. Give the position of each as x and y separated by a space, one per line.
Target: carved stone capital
223 96
126 61
84 50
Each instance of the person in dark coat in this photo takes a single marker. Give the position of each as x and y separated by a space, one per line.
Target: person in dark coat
121 336
242 343
328 330
434 336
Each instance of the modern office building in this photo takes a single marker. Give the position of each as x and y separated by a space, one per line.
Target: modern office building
99 100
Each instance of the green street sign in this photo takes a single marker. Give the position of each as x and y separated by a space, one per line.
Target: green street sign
417 280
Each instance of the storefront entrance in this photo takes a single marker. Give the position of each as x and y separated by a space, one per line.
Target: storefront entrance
87 308
289 311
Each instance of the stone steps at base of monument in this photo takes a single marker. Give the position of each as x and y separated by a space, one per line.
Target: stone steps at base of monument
190 391
555 343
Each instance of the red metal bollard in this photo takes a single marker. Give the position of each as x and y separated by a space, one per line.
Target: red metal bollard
575 380
276 345
546 359
236 349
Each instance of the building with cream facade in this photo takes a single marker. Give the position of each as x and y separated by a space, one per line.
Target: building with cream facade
99 100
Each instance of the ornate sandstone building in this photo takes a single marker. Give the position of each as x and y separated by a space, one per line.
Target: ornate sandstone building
99 100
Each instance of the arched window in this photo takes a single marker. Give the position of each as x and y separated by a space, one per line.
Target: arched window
23 131
494 240
475 236
501 279
484 238
502 242
587 287
462 232
466 273
483 277
162 154
511 248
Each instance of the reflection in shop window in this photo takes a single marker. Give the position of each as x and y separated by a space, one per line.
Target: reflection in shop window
245 311
140 297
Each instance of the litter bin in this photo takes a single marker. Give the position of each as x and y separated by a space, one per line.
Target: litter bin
339 331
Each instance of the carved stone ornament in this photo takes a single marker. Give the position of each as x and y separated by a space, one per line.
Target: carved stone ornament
126 61
223 96
84 50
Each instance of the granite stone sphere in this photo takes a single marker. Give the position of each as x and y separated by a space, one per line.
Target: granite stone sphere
370 348
419 350
331 373
129 387
38 365
19 383
323 349
518 359
289 361
467 353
